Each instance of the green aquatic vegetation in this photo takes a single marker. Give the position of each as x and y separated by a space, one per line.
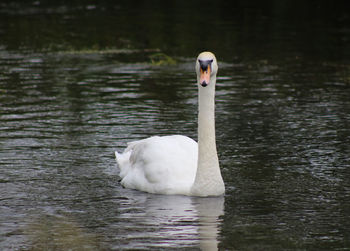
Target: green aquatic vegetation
99 51
160 58
59 233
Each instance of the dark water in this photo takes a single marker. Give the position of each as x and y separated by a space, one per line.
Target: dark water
77 82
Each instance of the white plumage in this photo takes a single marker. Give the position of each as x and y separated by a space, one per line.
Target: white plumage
177 164
165 165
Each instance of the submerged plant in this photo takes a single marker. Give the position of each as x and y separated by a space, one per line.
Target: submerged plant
161 59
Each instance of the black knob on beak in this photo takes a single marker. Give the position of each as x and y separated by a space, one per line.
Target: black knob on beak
204 64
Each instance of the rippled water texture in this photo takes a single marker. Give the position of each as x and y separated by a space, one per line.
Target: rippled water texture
87 83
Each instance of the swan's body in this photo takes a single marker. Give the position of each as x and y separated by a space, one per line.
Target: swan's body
177 164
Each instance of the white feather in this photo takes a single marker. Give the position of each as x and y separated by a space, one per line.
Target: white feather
177 164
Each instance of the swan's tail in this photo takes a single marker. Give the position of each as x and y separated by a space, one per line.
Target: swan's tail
123 159
119 157
123 162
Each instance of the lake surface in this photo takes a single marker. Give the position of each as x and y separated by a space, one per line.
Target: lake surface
78 81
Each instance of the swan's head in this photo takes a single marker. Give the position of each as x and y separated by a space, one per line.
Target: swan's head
206 68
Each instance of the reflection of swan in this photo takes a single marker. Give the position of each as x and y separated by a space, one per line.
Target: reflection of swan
160 222
209 210
175 164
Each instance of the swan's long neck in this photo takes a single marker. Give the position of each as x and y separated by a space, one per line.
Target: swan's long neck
208 181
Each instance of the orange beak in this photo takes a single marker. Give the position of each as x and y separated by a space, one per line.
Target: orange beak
204 76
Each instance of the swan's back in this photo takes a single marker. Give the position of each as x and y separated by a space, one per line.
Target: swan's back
165 165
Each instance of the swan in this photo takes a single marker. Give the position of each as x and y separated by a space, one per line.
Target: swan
176 164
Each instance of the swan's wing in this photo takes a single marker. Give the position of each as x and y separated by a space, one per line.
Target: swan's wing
159 164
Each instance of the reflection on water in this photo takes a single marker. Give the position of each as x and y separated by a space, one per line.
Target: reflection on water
66 105
169 221
151 221
208 211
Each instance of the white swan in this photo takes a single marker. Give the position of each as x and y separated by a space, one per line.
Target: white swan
177 164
